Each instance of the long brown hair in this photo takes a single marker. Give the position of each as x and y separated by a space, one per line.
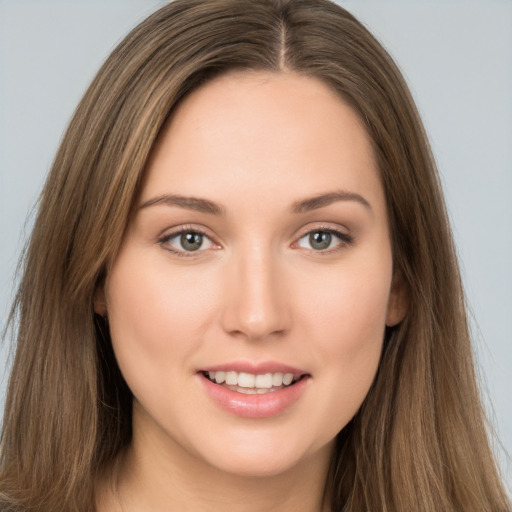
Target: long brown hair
419 441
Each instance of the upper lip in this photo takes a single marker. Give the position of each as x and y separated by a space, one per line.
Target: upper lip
255 368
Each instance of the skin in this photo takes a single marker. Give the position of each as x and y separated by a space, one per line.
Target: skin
255 144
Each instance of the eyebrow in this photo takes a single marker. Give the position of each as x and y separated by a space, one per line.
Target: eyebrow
207 206
189 203
324 200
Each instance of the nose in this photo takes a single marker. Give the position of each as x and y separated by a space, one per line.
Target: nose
256 305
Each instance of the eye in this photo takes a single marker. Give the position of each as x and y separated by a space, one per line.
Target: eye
323 240
186 241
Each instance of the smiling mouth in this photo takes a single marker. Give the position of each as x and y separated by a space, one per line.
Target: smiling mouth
253 384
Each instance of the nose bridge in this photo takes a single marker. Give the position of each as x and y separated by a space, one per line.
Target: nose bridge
256 305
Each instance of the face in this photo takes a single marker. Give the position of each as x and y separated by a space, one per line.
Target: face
248 302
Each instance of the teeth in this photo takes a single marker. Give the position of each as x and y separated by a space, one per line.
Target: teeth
264 381
219 377
231 378
277 379
246 380
287 379
252 383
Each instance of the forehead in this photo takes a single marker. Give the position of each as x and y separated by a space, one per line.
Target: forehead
259 132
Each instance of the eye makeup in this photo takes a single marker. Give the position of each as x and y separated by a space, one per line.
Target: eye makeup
189 241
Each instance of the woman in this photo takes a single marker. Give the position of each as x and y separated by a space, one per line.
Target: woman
241 291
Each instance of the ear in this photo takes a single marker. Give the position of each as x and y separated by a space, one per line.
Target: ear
398 301
100 303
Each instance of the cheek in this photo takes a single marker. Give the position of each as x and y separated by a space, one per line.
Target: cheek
348 305
358 326
347 322
156 317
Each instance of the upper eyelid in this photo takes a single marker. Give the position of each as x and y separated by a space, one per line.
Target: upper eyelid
324 226
177 230
164 241
169 233
344 238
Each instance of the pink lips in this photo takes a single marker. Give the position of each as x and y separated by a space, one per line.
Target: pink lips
258 405
256 368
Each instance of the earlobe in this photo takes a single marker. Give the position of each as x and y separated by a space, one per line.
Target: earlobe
398 302
100 303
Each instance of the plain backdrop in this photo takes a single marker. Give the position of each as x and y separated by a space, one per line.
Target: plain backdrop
456 56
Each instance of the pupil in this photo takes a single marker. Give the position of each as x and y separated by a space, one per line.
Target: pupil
320 240
191 241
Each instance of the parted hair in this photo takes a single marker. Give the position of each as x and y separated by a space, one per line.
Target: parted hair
418 443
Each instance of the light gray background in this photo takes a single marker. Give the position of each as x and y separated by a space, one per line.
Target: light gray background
456 56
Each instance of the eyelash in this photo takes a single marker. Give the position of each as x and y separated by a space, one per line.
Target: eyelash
164 241
344 240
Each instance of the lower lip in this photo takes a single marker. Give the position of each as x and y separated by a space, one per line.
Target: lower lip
254 406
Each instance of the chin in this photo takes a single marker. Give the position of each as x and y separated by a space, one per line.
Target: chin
266 456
